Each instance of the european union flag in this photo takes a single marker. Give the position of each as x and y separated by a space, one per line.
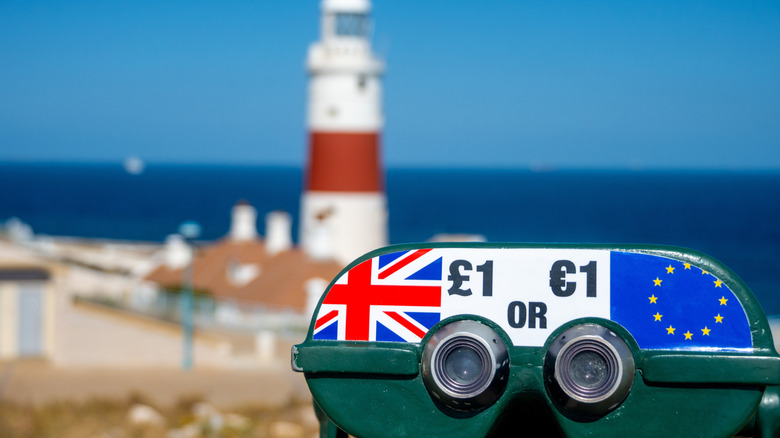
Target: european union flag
671 305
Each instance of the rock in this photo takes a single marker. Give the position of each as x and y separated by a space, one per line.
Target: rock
187 431
216 423
208 416
237 422
203 410
143 415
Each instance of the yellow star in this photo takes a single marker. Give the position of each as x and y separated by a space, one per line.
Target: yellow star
719 319
657 281
717 283
687 265
653 299
688 335
723 300
704 272
657 316
670 330
669 269
705 331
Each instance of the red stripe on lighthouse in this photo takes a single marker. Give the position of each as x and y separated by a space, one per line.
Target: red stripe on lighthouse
344 162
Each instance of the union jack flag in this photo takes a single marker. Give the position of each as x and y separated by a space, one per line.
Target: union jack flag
392 298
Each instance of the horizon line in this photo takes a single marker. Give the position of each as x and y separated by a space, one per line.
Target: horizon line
530 167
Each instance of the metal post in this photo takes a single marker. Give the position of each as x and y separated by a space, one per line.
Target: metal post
189 230
186 312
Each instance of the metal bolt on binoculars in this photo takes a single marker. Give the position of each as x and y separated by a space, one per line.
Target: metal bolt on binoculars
550 340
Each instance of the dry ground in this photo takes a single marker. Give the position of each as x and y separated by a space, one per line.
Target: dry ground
37 400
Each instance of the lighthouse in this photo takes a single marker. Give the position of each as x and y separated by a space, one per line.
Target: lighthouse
343 206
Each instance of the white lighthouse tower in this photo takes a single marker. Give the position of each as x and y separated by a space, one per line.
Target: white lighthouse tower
344 208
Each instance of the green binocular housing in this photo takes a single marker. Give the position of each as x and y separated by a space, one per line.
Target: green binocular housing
465 339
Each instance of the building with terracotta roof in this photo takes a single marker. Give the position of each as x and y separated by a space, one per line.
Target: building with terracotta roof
243 268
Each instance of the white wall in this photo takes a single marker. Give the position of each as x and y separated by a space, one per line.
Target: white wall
357 223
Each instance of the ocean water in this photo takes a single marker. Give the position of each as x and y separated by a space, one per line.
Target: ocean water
733 216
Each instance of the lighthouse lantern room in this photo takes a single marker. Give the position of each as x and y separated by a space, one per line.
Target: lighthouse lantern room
343 207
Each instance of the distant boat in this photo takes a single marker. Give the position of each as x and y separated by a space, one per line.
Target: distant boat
134 165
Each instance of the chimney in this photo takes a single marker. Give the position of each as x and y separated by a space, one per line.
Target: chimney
243 222
278 232
177 252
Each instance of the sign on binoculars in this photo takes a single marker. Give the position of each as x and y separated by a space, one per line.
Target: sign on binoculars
488 340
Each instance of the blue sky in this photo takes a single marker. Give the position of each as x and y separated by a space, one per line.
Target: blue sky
605 84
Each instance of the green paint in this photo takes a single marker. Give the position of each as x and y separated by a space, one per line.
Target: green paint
375 389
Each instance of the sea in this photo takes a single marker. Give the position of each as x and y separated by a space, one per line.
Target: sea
733 216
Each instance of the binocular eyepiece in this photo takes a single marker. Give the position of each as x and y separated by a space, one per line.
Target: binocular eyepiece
465 366
589 370
486 340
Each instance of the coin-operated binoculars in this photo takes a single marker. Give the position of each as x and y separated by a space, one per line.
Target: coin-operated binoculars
479 340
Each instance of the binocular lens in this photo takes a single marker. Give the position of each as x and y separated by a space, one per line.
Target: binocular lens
465 365
589 369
